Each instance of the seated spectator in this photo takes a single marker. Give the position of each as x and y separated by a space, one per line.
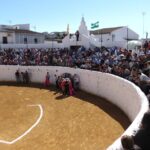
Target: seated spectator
144 82
128 143
148 97
142 137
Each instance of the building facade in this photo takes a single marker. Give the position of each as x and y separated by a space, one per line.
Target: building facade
108 37
116 36
19 34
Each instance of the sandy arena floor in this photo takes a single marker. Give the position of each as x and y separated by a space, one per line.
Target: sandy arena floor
82 122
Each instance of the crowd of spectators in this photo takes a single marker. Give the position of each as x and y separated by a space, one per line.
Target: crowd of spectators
22 77
131 65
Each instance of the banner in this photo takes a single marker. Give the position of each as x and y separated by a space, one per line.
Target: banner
95 25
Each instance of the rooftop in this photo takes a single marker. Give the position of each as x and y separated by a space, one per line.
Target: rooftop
104 30
22 31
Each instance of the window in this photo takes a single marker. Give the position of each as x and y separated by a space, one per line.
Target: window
5 40
25 41
113 37
35 40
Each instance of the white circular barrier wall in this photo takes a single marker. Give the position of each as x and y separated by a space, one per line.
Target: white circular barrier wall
118 91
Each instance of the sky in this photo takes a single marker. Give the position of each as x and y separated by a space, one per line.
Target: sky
54 15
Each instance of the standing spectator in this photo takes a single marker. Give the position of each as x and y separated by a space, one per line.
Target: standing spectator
17 74
67 91
77 35
23 79
56 81
76 82
63 82
146 44
47 79
26 74
71 90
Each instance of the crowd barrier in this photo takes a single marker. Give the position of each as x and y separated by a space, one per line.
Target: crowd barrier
124 94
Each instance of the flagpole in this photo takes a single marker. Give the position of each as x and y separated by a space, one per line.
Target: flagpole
98 36
96 25
127 37
101 38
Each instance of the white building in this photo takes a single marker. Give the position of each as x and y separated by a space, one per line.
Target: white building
116 36
108 37
19 34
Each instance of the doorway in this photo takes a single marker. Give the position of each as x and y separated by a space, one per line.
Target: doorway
5 40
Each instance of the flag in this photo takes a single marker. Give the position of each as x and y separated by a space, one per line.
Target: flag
95 25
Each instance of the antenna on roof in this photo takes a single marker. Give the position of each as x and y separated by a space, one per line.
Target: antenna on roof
143 17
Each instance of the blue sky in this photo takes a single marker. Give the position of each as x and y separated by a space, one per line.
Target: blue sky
54 15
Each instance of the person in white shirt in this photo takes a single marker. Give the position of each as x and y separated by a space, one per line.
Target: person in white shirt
144 78
76 81
144 82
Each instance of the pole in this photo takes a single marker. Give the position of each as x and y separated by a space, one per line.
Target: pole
52 43
52 38
101 37
27 44
143 14
146 35
127 37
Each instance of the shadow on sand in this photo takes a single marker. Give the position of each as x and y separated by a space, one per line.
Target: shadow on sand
112 110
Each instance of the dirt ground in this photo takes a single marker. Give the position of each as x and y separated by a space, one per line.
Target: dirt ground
80 122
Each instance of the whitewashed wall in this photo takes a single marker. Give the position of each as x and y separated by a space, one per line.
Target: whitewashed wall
10 37
121 34
19 38
45 45
118 91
